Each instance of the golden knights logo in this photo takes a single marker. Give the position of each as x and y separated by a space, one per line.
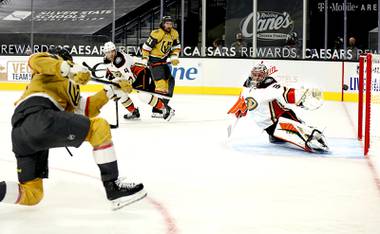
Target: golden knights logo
74 93
165 46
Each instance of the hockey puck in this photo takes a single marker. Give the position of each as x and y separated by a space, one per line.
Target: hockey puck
345 87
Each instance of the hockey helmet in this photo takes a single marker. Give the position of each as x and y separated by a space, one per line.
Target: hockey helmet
164 20
108 47
61 52
258 73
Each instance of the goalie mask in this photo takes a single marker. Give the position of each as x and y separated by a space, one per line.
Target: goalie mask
258 74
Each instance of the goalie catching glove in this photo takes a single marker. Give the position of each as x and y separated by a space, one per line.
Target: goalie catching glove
311 99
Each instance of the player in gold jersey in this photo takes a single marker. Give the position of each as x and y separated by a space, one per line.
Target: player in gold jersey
162 46
51 113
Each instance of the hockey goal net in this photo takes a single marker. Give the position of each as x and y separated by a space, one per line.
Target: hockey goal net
369 103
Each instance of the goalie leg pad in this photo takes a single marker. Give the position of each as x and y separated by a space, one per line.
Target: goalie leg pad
309 139
31 192
99 133
293 132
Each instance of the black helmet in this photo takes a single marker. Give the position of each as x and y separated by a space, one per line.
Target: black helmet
165 19
61 52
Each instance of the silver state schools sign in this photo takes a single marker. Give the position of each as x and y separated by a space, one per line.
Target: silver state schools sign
271 25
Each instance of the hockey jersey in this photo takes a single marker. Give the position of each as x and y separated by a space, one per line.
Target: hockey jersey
161 44
267 101
48 82
120 67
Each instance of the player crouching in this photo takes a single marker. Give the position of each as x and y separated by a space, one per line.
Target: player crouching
46 116
265 100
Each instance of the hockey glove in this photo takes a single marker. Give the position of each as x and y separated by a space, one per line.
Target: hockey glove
82 77
125 85
239 108
311 99
75 72
174 60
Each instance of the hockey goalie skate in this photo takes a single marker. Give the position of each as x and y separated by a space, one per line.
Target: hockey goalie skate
317 142
121 193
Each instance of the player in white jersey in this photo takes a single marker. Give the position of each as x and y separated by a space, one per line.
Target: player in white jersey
266 101
121 66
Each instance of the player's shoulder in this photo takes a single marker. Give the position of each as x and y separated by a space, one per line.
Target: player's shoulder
174 33
157 33
268 81
120 59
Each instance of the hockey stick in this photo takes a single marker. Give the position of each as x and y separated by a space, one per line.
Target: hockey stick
99 80
139 90
113 126
93 69
232 127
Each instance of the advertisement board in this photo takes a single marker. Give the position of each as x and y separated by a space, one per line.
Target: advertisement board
224 76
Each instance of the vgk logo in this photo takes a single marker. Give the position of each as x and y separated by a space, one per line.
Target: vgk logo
165 47
74 93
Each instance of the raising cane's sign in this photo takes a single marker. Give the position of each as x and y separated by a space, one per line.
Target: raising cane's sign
270 25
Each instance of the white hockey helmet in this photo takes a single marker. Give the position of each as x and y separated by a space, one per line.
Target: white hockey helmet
258 73
108 47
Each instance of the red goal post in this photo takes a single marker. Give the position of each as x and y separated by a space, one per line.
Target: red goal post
368 100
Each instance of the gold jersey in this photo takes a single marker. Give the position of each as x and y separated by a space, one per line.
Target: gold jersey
47 81
161 44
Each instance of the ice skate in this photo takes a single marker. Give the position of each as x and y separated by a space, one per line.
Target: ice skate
317 142
132 115
157 113
168 113
122 194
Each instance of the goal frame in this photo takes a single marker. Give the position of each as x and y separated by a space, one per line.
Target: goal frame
365 61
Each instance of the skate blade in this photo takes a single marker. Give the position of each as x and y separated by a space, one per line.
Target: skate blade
157 116
125 201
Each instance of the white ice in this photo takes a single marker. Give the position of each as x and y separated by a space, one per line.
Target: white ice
198 181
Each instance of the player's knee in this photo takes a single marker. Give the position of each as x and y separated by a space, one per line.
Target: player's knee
99 132
31 192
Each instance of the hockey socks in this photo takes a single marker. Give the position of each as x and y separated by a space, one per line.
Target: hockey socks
106 159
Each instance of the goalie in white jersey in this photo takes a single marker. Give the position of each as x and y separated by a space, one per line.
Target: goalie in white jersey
265 100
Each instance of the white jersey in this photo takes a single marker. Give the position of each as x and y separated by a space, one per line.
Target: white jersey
266 103
120 67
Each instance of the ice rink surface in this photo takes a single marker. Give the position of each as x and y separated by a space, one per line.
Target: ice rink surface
198 181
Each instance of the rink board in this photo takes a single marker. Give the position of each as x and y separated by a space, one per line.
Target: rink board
219 76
